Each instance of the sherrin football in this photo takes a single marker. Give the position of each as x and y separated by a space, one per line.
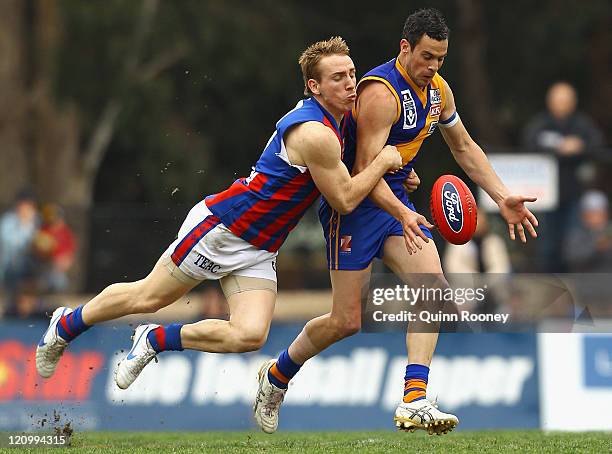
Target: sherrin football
453 209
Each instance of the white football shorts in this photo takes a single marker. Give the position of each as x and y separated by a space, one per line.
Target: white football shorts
207 249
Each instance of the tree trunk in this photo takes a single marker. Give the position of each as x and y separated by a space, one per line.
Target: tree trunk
13 101
39 137
601 87
476 92
54 129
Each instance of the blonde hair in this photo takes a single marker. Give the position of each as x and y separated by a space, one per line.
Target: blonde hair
314 53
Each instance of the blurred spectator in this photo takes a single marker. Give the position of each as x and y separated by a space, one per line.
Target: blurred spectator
568 134
55 246
589 244
561 128
18 227
486 252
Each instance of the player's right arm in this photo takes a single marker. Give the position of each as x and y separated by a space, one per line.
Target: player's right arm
377 111
318 148
474 162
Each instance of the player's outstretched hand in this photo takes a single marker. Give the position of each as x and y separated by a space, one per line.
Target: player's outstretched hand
412 182
516 214
411 221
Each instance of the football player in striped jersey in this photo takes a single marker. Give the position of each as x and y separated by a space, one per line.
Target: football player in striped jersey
234 236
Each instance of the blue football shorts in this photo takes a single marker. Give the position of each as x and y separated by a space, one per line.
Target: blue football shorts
354 240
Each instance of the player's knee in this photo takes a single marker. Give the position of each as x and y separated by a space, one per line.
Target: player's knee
250 344
251 340
438 284
351 327
345 327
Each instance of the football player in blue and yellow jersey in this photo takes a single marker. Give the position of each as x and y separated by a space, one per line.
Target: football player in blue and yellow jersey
401 103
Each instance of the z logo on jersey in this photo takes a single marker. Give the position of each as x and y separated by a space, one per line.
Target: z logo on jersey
346 243
410 112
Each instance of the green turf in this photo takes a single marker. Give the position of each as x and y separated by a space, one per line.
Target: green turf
332 442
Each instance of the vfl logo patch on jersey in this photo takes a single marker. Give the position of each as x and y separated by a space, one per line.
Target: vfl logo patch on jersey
452 207
435 111
434 96
410 112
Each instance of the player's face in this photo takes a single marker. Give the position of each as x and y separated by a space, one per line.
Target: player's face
335 88
424 61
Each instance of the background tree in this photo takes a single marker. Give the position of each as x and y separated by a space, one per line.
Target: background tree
128 112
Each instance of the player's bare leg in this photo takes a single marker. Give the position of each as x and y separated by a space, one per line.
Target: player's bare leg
156 291
415 411
344 319
246 330
159 289
318 334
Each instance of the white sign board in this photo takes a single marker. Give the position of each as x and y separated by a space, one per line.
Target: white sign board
575 381
525 174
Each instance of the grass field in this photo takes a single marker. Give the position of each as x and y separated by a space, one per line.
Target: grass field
333 442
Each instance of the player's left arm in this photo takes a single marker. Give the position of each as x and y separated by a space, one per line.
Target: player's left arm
474 162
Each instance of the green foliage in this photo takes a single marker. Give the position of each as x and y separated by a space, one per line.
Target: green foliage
340 442
212 110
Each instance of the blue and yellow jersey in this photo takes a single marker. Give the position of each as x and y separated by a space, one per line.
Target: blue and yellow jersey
418 114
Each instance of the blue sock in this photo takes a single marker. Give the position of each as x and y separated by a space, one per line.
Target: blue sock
71 325
415 382
166 338
283 370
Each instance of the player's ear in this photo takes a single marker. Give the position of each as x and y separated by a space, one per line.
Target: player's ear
405 46
313 85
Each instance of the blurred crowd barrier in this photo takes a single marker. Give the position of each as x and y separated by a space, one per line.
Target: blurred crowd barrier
491 381
47 251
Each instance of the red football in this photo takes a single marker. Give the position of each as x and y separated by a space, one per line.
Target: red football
453 209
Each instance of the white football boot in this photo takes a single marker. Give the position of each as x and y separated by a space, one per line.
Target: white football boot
268 400
51 345
423 414
137 358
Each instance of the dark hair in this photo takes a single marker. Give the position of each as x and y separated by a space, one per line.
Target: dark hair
25 195
428 22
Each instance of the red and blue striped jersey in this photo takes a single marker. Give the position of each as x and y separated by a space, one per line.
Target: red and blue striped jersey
263 208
